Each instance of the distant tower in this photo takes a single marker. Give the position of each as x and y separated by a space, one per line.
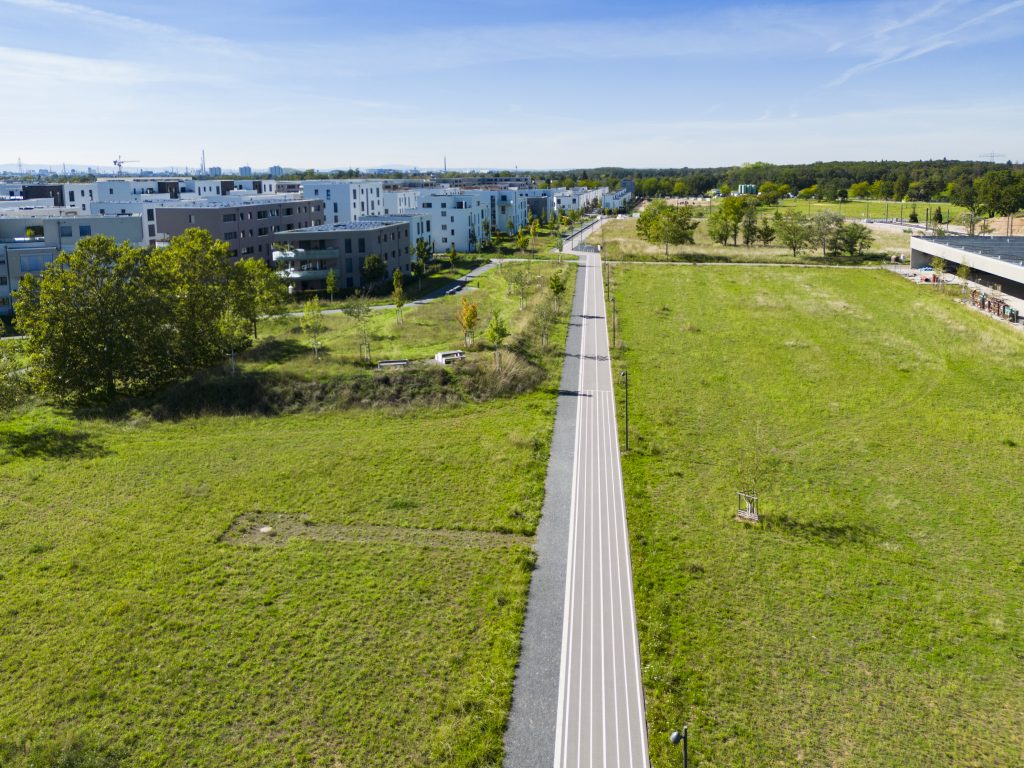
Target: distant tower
446 163
202 164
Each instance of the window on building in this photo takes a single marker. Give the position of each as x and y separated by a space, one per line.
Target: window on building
335 209
152 230
348 265
84 230
150 215
65 230
362 245
191 218
348 246
71 196
229 217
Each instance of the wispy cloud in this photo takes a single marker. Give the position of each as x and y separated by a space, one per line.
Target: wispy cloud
95 16
904 39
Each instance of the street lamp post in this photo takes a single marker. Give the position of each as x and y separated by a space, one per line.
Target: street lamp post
615 318
683 737
625 379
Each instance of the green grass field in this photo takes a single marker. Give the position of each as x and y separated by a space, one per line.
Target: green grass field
147 622
424 329
620 243
875 616
872 209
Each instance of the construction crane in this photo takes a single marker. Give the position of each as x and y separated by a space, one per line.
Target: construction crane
121 163
991 156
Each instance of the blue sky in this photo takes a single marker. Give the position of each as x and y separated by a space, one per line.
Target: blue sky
502 84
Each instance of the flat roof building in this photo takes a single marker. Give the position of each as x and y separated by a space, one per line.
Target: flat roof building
30 241
250 225
342 248
995 260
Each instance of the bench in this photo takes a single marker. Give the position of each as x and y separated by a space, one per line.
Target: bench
445 358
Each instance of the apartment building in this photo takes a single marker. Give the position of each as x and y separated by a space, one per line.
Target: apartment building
506 207
250 225
82 194
346 200
343 248
617 200
418 223
456 218
399 200
29 241
578 199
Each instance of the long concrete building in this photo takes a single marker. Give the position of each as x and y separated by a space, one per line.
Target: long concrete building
996 261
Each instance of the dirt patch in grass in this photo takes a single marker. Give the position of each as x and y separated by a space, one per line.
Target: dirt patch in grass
277 528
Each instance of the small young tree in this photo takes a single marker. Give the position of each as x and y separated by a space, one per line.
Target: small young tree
451 258
332 283
496 333
963 272
547 315
557 286
358 309
719 228
235 330
938 266
765 232
521 283
748 225
374 270
791 230
468 317
398 295
312 324
824 230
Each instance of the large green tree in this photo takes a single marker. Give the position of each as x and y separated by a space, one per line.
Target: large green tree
196 273
792 230
666 224
98 322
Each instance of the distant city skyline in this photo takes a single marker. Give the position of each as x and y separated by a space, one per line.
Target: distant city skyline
404 84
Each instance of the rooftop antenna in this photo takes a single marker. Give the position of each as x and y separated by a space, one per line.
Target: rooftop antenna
20 171
991 156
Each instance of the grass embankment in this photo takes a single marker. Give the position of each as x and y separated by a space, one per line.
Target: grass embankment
141 627
874 617
621 243
437 281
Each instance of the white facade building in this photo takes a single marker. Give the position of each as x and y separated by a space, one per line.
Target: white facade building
346 200
400 200
455 219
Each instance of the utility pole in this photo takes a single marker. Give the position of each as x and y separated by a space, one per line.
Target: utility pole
625 379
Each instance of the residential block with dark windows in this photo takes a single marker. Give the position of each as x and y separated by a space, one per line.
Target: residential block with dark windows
249 225
343 248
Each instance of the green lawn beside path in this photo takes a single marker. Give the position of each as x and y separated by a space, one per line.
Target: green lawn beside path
148 622
874 617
